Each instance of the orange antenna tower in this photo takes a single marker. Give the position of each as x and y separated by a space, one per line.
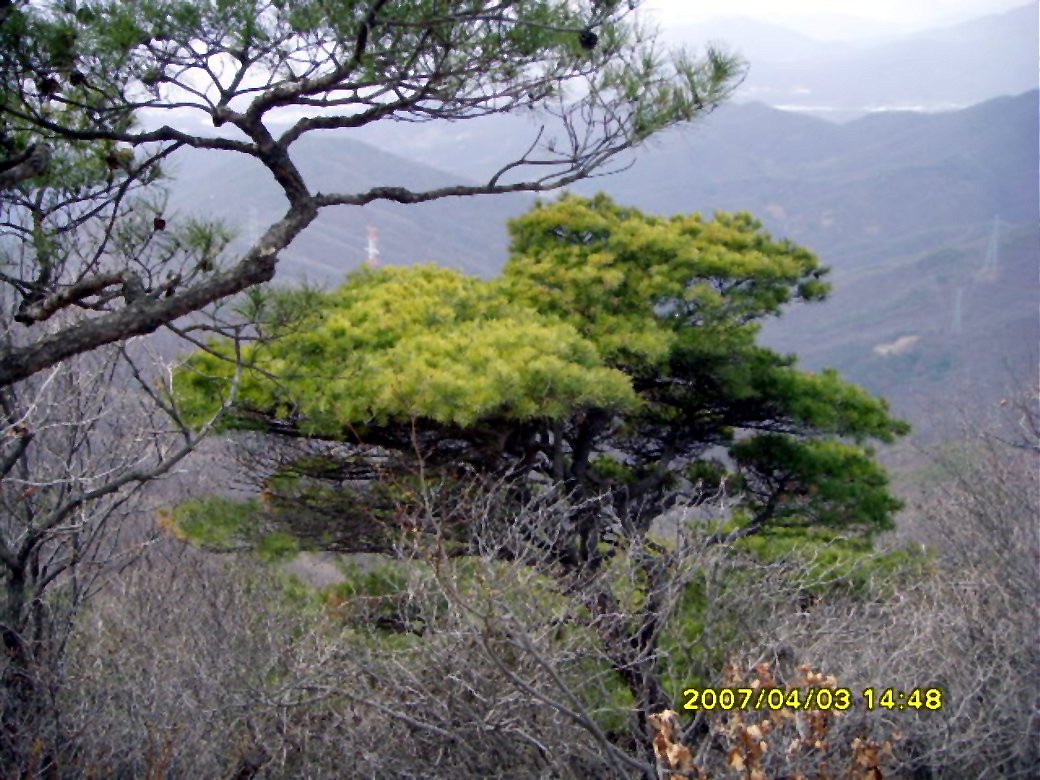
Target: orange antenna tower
373 248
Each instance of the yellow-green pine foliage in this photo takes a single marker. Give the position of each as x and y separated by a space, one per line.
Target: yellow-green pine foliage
403 343
636 284
622 346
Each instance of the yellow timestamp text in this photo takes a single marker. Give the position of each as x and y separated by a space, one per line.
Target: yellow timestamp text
895 699
837 699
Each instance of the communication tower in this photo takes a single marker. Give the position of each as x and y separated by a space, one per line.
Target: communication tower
372 261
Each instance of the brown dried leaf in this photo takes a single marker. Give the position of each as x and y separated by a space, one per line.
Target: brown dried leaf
735 760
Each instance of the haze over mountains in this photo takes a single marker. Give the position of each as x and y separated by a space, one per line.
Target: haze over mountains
928 220
943 68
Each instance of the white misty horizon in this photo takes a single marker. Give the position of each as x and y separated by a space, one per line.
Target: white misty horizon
858 21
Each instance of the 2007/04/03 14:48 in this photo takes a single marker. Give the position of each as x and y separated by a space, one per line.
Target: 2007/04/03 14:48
840 699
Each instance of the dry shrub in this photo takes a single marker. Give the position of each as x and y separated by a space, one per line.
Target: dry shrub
968 625
193 666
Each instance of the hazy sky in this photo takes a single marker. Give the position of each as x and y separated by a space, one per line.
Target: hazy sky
825 18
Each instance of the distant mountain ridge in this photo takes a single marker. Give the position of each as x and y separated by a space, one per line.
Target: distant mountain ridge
753 39
851 187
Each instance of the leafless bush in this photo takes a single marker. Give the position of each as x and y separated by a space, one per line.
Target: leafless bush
496 663
190 666
78 443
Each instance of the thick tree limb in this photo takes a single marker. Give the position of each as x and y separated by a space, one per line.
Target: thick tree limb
33 163
148 314
404 195
40 311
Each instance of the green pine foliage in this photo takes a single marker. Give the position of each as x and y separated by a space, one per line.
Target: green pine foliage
616 354
423 343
